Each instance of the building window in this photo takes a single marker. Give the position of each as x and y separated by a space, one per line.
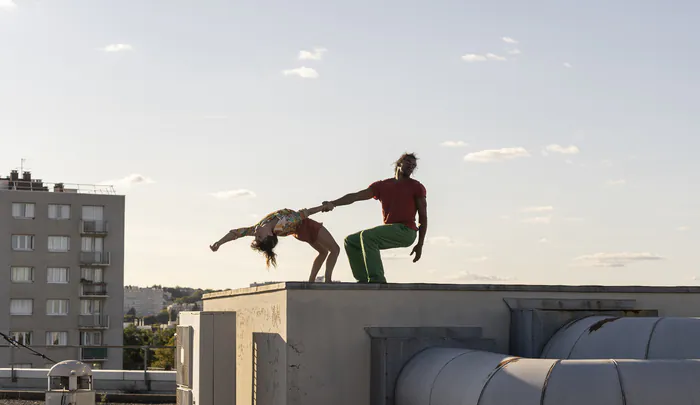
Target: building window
22 274
59 243
93 213
90 307
92 244
59 211
24 338
57 307
23 242
21 306
91 338
56 338
94 275
23 210
57 275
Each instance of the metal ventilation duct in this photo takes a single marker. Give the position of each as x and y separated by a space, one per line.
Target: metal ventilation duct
441 376
603 337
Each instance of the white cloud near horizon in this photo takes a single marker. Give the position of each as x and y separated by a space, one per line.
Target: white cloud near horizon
496 155
128 181
454 144
542 208
7 4
537 220
620 259
564 150
316 54
303 72
509 40
473 57
683 228
230 194
467 276
118 48
447 241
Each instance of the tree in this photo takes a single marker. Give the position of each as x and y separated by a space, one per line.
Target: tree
165 358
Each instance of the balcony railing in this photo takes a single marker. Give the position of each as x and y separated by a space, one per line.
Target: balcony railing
94 227
95 258
92 289
93 353
93 321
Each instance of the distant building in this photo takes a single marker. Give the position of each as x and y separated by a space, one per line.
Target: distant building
146 301
62 255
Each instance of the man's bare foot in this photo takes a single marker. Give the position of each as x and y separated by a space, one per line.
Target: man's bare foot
214 247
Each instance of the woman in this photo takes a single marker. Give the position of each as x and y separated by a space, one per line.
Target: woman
287 222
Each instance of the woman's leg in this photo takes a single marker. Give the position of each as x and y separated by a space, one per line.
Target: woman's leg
326 241
316 266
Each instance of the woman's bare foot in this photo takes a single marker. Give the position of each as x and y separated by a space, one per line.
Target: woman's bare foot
214 247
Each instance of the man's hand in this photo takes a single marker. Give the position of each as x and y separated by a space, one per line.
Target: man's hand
418 250
327 206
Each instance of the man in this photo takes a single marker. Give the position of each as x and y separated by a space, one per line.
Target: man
401 197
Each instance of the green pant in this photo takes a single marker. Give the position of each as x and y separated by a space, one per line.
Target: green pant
363 249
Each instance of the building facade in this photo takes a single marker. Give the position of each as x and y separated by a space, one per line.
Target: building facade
62 278
145 301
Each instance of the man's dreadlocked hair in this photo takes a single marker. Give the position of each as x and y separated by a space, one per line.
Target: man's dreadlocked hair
398 162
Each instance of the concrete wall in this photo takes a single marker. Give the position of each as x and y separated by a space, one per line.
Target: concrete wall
42 227
327 356
261 352
104 380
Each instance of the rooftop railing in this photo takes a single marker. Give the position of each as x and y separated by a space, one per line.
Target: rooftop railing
40 186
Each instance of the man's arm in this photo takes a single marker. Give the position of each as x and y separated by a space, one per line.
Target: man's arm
348 199
422 204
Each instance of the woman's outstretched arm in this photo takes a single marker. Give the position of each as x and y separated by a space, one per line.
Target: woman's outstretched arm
232 235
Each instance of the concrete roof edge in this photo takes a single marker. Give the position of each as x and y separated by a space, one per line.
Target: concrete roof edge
454 287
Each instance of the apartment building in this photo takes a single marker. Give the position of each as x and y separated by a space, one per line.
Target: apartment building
62 256
144 300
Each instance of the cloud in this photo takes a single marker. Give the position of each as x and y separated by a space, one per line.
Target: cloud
621 259
118 48
514 51
447 241
128 181
473 57
537 220
231 194
303 72
454 144
683 228
496 155
544 240
542 208
618 182
567 65
509 40
7 5
466 276
565 150
316 54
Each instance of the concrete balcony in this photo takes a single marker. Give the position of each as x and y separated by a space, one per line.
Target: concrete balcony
93 353
92 289
96 321
95 258
94 227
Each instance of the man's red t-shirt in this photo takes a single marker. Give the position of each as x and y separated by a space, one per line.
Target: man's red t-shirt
398 199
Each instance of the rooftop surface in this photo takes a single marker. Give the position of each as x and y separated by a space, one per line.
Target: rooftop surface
453 287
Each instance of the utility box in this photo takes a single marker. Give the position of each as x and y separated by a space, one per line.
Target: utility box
205 358
70 382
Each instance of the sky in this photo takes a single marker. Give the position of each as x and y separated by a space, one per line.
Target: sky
555 138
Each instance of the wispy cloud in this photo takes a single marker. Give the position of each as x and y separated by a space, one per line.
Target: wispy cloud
232 194
537 220
567 65
316 54
447 241
621 259
509 40
473 57
514 52
564 150
128 181
683 228
118 48
454 144
541 208
7 5
303 72
544 240
467 276
496 155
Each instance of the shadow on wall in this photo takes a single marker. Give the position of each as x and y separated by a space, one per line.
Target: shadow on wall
269 371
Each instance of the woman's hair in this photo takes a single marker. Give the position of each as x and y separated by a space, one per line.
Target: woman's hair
266 247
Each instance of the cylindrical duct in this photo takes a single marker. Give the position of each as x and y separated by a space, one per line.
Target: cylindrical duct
441 376
606 337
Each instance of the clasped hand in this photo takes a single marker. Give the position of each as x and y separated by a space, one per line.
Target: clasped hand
327 206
